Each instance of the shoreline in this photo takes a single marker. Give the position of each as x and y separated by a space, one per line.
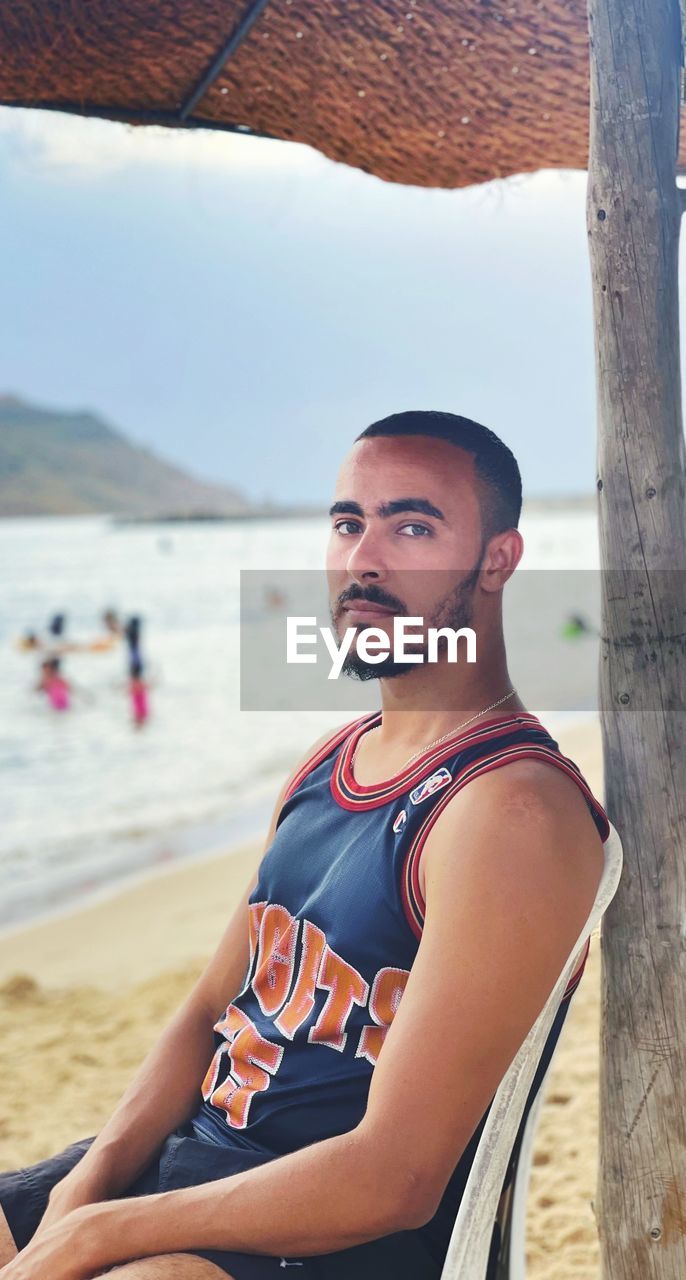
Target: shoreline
158 850
153 911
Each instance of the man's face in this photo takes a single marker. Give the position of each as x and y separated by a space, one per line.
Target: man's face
406 539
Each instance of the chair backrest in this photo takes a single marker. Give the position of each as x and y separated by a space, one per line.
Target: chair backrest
470 1242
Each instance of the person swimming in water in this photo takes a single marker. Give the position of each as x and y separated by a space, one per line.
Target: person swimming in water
132 635
54 685
138 693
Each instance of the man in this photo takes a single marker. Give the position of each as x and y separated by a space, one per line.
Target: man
317 1100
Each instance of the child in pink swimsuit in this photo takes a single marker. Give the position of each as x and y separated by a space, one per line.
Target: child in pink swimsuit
54 685
138 692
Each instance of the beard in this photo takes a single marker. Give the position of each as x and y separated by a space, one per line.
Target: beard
454 610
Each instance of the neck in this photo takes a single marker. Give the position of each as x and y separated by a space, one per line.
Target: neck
431 699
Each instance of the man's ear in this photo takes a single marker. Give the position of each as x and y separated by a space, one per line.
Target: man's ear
502 555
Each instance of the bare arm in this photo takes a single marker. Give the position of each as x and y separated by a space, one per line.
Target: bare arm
166 1089
512 868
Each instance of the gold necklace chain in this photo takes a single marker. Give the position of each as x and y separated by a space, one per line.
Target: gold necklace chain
449 734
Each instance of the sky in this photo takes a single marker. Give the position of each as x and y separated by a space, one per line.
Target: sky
246 307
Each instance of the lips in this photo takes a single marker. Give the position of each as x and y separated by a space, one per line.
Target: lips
365 610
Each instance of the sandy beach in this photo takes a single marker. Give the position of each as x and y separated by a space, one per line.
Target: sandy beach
83 996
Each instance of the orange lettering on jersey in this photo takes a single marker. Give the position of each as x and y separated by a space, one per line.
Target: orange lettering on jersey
301 1003
387 990
275 958
346 987
254 1061
255 914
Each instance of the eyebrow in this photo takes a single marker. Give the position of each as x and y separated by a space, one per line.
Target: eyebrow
386 509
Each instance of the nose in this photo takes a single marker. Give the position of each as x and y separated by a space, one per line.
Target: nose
365 560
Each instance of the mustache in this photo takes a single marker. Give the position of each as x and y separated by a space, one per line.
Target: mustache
372 595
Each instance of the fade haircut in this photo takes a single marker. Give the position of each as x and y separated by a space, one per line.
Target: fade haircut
500 496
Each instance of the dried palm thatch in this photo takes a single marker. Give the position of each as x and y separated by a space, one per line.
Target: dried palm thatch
431 92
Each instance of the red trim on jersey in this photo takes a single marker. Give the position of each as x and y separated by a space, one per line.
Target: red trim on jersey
413 900
352 795
316 758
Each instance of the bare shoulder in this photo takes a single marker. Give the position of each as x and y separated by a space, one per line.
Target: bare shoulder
536 788
303 761
527 806
315 748
333 732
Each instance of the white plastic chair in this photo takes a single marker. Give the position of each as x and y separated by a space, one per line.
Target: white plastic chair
470 1243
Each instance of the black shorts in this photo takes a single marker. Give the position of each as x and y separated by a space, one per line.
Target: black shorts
185 1161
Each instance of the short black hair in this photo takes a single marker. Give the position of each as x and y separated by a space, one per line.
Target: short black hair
495 464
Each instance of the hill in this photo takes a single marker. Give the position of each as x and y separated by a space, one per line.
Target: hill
55 463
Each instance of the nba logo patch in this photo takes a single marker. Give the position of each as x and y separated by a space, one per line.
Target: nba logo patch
431 785
400 821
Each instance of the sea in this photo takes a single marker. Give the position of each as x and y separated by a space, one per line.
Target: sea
88 800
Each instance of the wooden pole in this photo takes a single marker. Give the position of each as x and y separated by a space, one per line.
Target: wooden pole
633 211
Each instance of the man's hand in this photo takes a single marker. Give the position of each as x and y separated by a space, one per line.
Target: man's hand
73 1248
75 1191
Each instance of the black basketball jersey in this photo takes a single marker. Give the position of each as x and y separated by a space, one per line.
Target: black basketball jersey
335 922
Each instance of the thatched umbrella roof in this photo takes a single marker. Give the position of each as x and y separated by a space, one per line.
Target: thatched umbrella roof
432 92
